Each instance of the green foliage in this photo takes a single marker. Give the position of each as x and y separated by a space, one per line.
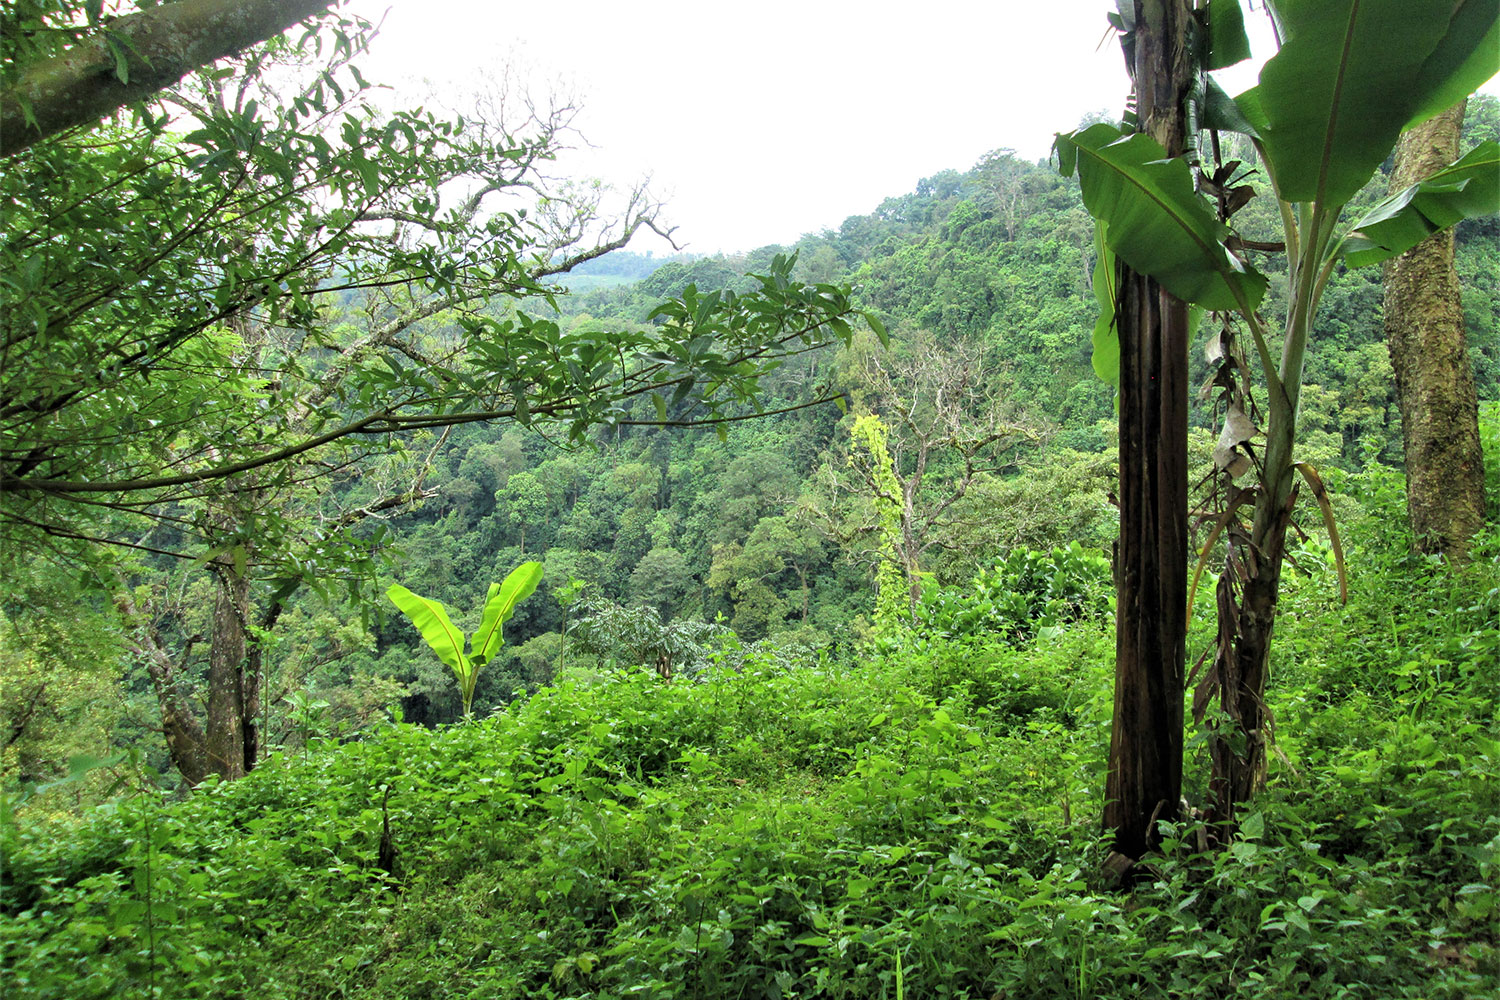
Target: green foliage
1467 189
1351 76
633 637
892 586
1023 595
60 670
769 832
917 823
298 275
1153 218
448 642
1489 439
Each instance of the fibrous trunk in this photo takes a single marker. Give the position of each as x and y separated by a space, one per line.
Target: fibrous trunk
1145 770
1145 761
1247 596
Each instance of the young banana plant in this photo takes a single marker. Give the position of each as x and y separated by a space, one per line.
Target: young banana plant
448 642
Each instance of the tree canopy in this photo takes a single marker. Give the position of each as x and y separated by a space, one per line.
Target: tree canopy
268 265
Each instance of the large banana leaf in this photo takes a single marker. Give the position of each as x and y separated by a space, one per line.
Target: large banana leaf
1351 74
1468 55
1217 110
1106 333
431 619
1468 188
499 605
1227 42
1154 220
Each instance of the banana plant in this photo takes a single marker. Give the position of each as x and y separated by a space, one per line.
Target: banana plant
448 642
1348 78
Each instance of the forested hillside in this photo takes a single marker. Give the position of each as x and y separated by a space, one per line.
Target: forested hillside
814 693
984 271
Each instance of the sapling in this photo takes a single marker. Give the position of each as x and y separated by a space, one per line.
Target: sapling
448 642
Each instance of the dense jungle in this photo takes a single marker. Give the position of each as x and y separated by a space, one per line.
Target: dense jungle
411 589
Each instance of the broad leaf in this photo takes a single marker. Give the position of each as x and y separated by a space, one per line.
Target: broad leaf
1468 55
1227 41
1349 77
1154 219
500 604
431 619
1106 338
1466 189
1217 110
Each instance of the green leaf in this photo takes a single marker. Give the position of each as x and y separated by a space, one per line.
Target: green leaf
1154 219
878 327
431 619
1221 112
1227 41
1106 339
500 604
122 65
369 175
1467 56
1466 189
1351 75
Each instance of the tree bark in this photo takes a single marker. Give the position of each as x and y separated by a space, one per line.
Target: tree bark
227 722
1145 761
186 745
158 46
1424 330
1145 769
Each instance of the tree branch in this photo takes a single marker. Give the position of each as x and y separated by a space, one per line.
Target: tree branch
133 58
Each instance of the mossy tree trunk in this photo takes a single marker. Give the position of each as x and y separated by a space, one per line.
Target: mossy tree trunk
230 728
1424 329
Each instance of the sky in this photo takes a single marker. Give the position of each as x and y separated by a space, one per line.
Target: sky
759 122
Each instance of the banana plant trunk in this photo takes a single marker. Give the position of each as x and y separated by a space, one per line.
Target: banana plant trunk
1145 759
1247 597
1249 589
1145 762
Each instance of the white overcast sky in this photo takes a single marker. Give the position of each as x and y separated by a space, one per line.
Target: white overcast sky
759 122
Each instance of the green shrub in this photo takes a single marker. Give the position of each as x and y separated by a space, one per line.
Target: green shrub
1024 594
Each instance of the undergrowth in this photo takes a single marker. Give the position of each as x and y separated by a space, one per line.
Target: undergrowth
808 832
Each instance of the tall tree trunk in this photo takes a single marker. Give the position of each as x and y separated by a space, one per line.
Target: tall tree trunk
1424 329
1145 759
186 745
227 722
